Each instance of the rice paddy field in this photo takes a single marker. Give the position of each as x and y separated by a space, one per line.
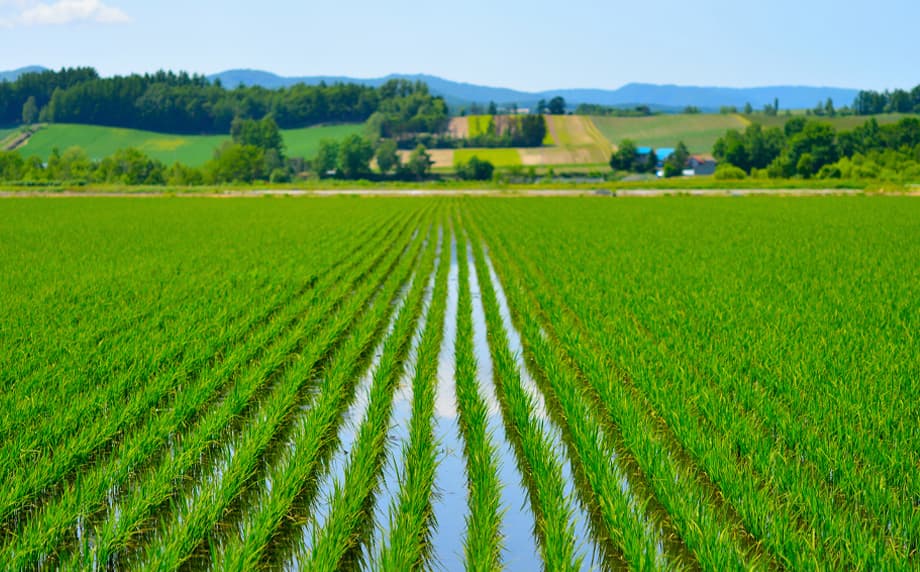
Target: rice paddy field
194 150
460 383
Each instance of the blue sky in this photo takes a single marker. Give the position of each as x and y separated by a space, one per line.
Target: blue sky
534 44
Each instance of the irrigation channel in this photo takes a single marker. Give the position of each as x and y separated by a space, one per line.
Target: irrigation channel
423 396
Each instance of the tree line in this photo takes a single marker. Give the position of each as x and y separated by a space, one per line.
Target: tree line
191 104
870 102
808 148
256 152
628 158
613 111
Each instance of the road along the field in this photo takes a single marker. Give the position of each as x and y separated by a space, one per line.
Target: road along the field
559 383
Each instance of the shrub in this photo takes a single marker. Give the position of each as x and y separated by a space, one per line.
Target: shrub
830 172
280 176
728 172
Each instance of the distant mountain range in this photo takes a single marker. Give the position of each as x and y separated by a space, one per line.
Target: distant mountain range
659 97
14 74
665 97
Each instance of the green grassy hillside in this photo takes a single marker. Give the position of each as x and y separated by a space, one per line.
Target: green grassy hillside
101 142
698 132
194 150
305 142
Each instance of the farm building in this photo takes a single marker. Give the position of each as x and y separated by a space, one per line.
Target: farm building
696 164
663 153
660 154
702 164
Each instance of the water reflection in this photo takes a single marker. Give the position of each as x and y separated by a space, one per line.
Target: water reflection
400 420
587 548
450 506
521 552
335 474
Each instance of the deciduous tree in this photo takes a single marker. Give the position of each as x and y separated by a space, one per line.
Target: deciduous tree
387 156
419 163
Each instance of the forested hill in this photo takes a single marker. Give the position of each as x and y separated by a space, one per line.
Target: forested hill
183 103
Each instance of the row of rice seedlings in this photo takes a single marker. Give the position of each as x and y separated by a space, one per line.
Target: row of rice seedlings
856 485
799 508
356 409
111 328
483 543
585 515
97 386
844 536
19 490
537 459
313 437
337 543
520 533
90 384
713 535
719 441
312 505
92 489
28 482
411 517
335 466
622 518
198 514
449 500
394 466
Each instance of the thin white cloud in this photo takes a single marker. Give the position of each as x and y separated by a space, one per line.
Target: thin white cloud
31 13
